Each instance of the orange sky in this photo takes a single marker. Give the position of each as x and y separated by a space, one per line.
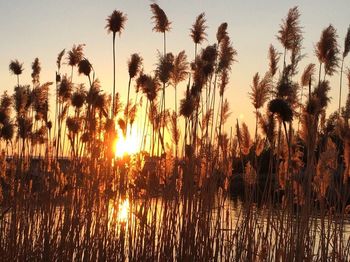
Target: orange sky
32 29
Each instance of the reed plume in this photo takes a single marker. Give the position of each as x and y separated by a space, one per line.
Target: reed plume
24 125
149 86
345 53
327 51
134 68
290 29
179 72
161 23
175 131
326 167
227 54
274 58
40 97
22 100
6 103
16 68
282 109
225 113
36 69
221 32
198 33
306 79
224 80
160 20
165 67
65 89
244 139
79 97
59 59
208 58
321 93
259 94
260 90
7 131
74 56
115 24
85 67
268 126
118 105
308 75
180 68
287 90
187 106
134 65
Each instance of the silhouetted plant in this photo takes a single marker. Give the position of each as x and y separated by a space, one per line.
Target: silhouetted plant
327 51
274 58
161 22
36 71
198 33
345 53
16 68
290 32
115 24
74 56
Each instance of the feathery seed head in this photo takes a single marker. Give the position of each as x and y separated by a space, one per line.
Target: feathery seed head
281 107
134 65
327 50
161 22
290 30
65 89
36 70
180 69
308 75
59 58
16 67
274 58
75 55
116 22
221 33
84 67
198 29
347 43
165 67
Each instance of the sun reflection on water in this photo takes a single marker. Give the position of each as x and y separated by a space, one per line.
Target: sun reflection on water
123 211
119 212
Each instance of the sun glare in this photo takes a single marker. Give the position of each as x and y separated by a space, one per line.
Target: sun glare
127 145
123 211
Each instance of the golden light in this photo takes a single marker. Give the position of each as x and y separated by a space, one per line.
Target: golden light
127 145
123 211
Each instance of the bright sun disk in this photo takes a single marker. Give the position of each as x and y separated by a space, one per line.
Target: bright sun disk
127 145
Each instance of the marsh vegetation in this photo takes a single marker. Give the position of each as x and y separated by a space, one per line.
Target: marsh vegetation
94 176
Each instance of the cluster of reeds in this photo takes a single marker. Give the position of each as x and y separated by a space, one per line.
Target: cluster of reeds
64 195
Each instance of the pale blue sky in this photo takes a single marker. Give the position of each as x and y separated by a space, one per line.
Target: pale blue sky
41 29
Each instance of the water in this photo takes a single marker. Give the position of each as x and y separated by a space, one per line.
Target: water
212 228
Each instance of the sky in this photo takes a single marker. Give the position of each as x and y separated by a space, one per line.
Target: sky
37 28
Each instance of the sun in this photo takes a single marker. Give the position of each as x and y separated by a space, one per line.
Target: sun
123 211
127 145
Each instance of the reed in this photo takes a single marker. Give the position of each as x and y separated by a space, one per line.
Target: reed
207 195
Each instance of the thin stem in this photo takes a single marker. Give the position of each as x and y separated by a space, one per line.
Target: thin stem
340 85
127 107
113 95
